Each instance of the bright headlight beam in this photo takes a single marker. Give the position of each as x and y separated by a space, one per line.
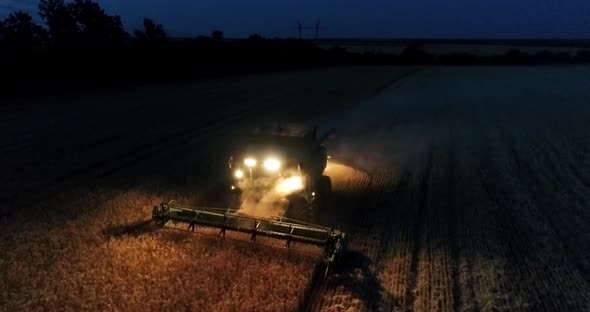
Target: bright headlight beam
294 184
290 185
272 164
250 162
239 174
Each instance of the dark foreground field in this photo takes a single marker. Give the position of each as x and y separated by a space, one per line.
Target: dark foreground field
461 189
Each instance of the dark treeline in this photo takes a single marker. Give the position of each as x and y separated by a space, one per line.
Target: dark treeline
81 44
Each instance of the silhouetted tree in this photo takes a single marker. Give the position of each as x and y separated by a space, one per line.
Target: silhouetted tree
544 57
81 23
415 54
217 35
151 32
563 57
96 27
583 56
255 37
20 33
2 30
62 25
458 58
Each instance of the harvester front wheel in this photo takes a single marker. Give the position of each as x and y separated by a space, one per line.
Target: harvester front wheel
324 192
299 209
157 216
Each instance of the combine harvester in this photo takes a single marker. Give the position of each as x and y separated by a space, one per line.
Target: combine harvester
276 164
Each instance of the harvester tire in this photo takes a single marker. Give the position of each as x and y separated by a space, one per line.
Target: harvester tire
324 193
299 210
233 201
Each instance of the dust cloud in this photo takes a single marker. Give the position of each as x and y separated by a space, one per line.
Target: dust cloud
268 197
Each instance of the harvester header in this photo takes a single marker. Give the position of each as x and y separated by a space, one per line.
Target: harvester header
332 240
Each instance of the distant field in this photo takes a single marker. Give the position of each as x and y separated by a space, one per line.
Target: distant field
488 50
449 48
461 189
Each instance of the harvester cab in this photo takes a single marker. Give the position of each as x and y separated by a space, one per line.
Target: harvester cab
284 162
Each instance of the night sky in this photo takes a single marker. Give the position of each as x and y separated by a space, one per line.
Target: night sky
356 18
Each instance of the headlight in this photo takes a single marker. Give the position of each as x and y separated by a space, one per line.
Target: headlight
250 162
272 164
239 174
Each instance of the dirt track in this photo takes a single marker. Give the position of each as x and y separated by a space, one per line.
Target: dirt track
461 188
